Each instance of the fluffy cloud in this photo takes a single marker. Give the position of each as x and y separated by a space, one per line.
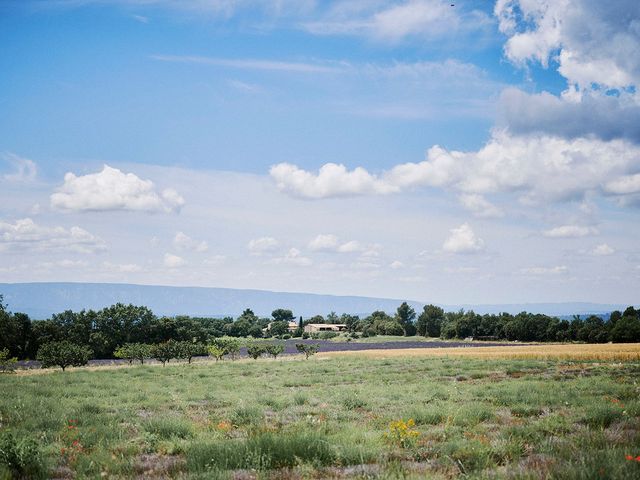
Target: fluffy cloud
324 242
396 264
463 240
480 206
25 170
331 243
538 167
332 180
603 250
293 257
594 42
544 113
173 261
570 231
111 189
261 245
184 242
25 234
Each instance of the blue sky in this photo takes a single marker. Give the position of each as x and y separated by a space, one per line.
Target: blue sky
483 152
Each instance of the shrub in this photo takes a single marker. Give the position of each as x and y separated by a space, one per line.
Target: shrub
165 351
229 346
307 348
21 457
402 433
188 350
63 354
7 363
274 349
255 351
216 351
134 351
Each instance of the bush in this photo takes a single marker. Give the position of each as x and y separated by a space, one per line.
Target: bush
256 350
307 348
228 346
63 354
216 352
7 363
165 351
21 457
274 349
188 350
134 351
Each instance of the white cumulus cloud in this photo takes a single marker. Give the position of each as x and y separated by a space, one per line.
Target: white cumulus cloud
173 261
602 250
25 234
184 242
570 231
112 189
293 257
463 240
332 180
479 205
258 246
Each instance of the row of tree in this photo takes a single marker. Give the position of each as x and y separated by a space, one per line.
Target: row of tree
105 331
65 354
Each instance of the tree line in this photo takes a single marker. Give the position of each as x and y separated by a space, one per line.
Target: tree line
105 332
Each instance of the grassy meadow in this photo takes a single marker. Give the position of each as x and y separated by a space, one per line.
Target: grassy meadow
342 416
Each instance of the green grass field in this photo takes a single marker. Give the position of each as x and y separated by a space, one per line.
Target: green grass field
325 418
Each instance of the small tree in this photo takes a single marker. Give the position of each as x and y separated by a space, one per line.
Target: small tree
188 350
279 327
7 363
165 351
229 346
216 351
274 349
308 349
255 350
124 352
63 354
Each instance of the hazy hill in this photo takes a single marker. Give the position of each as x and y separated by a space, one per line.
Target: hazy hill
40 300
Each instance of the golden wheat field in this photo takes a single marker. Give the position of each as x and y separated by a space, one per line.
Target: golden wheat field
608 351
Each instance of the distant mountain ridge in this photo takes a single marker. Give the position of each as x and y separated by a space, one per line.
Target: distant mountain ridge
41 300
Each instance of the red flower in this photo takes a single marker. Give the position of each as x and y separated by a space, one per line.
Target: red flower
629 457
638 458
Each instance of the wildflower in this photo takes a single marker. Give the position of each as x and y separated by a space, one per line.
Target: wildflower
629 457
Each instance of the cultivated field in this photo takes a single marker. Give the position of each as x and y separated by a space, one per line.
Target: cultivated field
354 415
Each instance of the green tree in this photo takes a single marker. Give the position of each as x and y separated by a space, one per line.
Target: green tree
279 327
63 354
308 349
430 321
274 349
165 351
627 328
216 351
405 315
230 346
282 315
255 350
187 350
7 362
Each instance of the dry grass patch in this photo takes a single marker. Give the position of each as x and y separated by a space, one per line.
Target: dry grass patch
604 352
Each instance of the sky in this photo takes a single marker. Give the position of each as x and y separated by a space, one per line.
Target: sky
452 152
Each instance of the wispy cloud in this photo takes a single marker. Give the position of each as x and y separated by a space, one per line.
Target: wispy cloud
250 64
